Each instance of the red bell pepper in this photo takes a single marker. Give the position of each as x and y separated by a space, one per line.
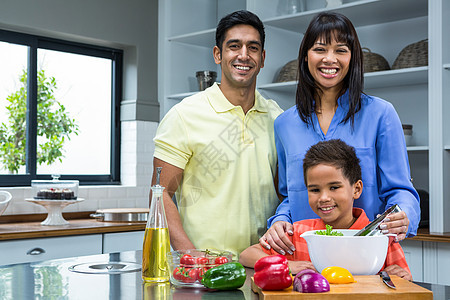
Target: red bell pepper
272 273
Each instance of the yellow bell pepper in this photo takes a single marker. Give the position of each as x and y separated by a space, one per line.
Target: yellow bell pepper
337 275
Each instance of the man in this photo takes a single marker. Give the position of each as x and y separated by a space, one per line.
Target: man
217 151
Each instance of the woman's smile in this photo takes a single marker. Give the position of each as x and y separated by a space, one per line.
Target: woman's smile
329 72
329 63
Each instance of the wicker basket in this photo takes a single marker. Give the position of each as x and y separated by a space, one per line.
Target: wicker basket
413 55
374 62
288 72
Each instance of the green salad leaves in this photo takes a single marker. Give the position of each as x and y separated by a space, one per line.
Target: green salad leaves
329 231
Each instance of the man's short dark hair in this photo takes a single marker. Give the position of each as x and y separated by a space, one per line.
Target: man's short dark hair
236 18
334 153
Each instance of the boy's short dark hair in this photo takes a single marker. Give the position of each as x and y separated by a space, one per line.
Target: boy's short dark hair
334 153
236 18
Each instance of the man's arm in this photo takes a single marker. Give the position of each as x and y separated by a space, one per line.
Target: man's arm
251 255
170 179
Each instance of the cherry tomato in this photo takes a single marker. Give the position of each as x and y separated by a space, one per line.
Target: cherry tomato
221 260
202 260
187 259
200 273
190 275
178 273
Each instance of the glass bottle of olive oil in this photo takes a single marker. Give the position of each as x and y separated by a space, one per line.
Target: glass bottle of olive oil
156 240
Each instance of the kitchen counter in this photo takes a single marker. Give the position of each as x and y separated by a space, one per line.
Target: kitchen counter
15 227
53 280
29 226
423 234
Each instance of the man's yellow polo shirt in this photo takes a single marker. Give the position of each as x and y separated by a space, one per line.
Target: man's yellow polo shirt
229 160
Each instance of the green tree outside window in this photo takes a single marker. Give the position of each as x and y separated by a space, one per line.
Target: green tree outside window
54 125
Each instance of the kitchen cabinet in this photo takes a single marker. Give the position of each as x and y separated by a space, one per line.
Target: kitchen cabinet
414 257
421 95
436 261
123 241
31 250
428 261
38 249
443 266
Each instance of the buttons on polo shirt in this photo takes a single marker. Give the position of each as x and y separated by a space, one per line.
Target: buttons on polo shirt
249 135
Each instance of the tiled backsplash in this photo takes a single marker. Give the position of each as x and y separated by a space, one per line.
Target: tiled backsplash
136 170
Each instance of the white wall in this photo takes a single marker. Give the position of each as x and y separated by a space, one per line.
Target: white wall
128 25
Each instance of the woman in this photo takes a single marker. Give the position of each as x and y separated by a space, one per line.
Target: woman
330 104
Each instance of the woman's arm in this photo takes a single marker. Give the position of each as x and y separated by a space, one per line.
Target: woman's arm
283 212
275 238
394 176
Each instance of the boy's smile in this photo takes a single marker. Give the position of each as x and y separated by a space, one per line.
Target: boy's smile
331 195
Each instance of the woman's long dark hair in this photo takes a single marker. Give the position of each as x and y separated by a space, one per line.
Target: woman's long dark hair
329 25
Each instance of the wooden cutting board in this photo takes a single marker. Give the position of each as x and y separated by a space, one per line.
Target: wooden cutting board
365 287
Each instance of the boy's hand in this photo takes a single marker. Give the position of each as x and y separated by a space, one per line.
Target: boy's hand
399 271
297 266
276 238
396 223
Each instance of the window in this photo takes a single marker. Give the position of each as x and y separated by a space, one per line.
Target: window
59 110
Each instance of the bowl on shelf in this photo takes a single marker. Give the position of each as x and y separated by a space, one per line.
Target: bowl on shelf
361 255
187 267
288 72
374 62
413 55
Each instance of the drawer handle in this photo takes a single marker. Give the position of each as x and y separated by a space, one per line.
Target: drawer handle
36 251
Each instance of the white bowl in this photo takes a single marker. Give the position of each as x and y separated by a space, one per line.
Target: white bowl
361 255
5 198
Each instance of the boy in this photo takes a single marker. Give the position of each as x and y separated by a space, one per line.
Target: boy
332 176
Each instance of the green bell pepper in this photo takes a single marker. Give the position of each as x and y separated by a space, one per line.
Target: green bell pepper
228 276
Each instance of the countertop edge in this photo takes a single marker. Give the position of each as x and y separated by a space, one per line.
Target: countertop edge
69 232
423 234
30 230
28 227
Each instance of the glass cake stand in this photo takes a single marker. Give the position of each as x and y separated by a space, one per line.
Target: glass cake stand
54 209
